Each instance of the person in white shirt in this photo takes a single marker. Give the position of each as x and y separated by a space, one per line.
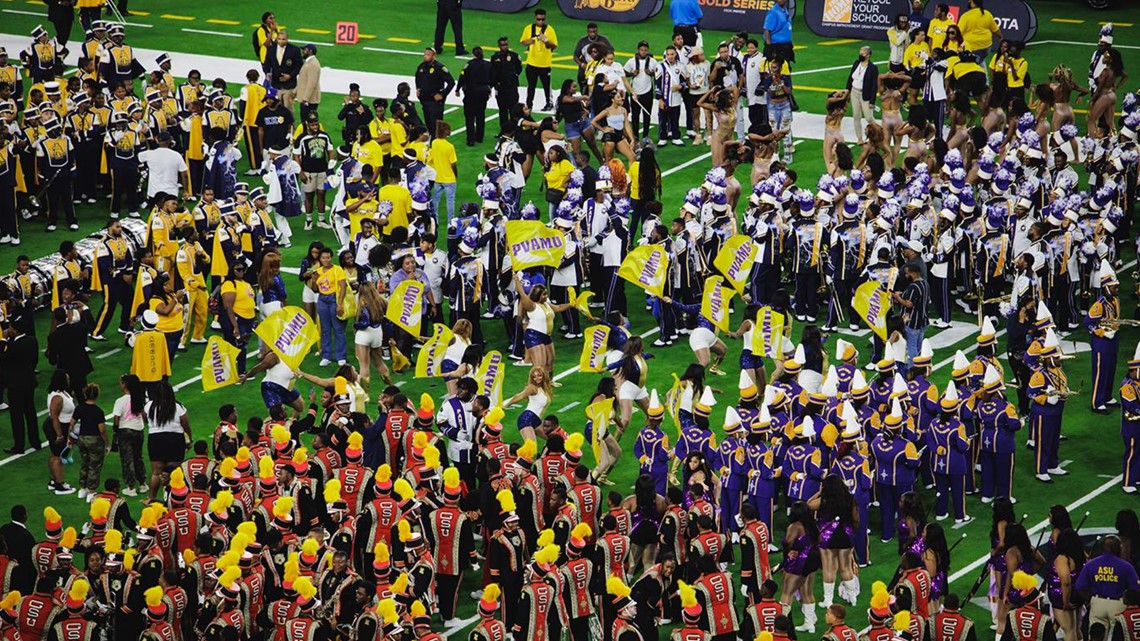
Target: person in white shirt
613 72
433 261
457 422
129 423
670 97
164 168
753 90
898 39
640 71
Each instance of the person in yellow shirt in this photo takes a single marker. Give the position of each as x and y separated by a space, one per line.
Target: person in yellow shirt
265 33
369 152
239 302
558 170
361 207
914 60
540 41
150 357
166 301
191 259
979 28
1016 72
161 233
442 158
332 285
251 100
401 200
936 29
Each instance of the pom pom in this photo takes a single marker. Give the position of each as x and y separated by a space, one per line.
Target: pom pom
80 587
69 538
507 501
153 596
451 478
283 507
404 489
902 621
688 595
616 587
113 542
332 491
383 473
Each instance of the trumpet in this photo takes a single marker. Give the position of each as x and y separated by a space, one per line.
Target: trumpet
996 299
1120 322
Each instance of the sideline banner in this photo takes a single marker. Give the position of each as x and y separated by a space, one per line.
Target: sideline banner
499 6
1017 19
738 15
611 10
872 304
859 19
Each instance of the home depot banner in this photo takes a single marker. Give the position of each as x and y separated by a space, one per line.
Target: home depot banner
610 10
860 19
499 6
738 15
1017 19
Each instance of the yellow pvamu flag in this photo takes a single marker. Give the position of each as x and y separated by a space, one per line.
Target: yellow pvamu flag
219 364
872 304
647 267
532 244
599 413
406 306
490 377
429 362
715 302
290 333
735 259
594 347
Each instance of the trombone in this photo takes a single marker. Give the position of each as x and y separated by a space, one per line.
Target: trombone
1116 323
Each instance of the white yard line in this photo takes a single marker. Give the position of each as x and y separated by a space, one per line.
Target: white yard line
569 406
207 32
106 354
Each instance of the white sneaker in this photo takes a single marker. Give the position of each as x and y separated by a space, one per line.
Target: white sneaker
677 142
198 341
341 362
4 240
476 594
1057 471
1129 489
73 226
129 492
215 325
83 493
325 362
1044 478
51 227
15 242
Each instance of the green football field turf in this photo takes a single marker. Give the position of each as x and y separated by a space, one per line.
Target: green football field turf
1091 453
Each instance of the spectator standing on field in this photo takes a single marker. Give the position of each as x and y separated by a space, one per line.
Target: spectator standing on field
863 86
281 65
979 29
640 72
315 152
264 35
582 55
442 158
128 425
433 83
449 11
898 38
93 441
778 32
686 16
540 40
309 81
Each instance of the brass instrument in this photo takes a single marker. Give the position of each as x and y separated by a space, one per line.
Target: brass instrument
1120 322
996 299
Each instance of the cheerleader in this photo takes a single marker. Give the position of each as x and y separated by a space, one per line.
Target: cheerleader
630 373
369 335
1060 581
454 365
1001 518
279 385
538 394
707 347
611 451
801 561
838 518
1018 554
272 286
539 316
749 362
936 559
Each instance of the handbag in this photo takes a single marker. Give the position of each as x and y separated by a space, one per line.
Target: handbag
349 306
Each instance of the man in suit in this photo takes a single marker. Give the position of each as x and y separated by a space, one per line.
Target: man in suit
20 543
282 65
18 364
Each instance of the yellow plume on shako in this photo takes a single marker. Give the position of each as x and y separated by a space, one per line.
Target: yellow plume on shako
100 508
506 500
431 457
400 585
617 587
548 555
427 403
765 636
153 596
340 385
419 440
688 595
403 489
1023 582
387 611
228 468
581 531
229 576
309 549
382 553
292 567
265 470
248 528
69 538
545 538
417 610
10 600
528 450
405 530
383 473
177 479
332 491
902 620
113 542
129 559
283 507
304 587
574 443
492 592
451 478
355 441
494 416
280 434
147 518
79 590
243 455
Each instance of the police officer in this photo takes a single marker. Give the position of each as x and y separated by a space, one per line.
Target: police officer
475 80
506 65
449 11
433 83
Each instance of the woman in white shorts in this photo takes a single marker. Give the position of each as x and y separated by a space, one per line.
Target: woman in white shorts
453 366
278 387
708 348
538 394
630 373
369 334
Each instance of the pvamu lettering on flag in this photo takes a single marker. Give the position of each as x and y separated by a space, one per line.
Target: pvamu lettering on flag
219 364
595 341
714 302
406 306
429 362
673 403
872 304
647 267
599 414
532 244
490 377
289 332
735 259
768 333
